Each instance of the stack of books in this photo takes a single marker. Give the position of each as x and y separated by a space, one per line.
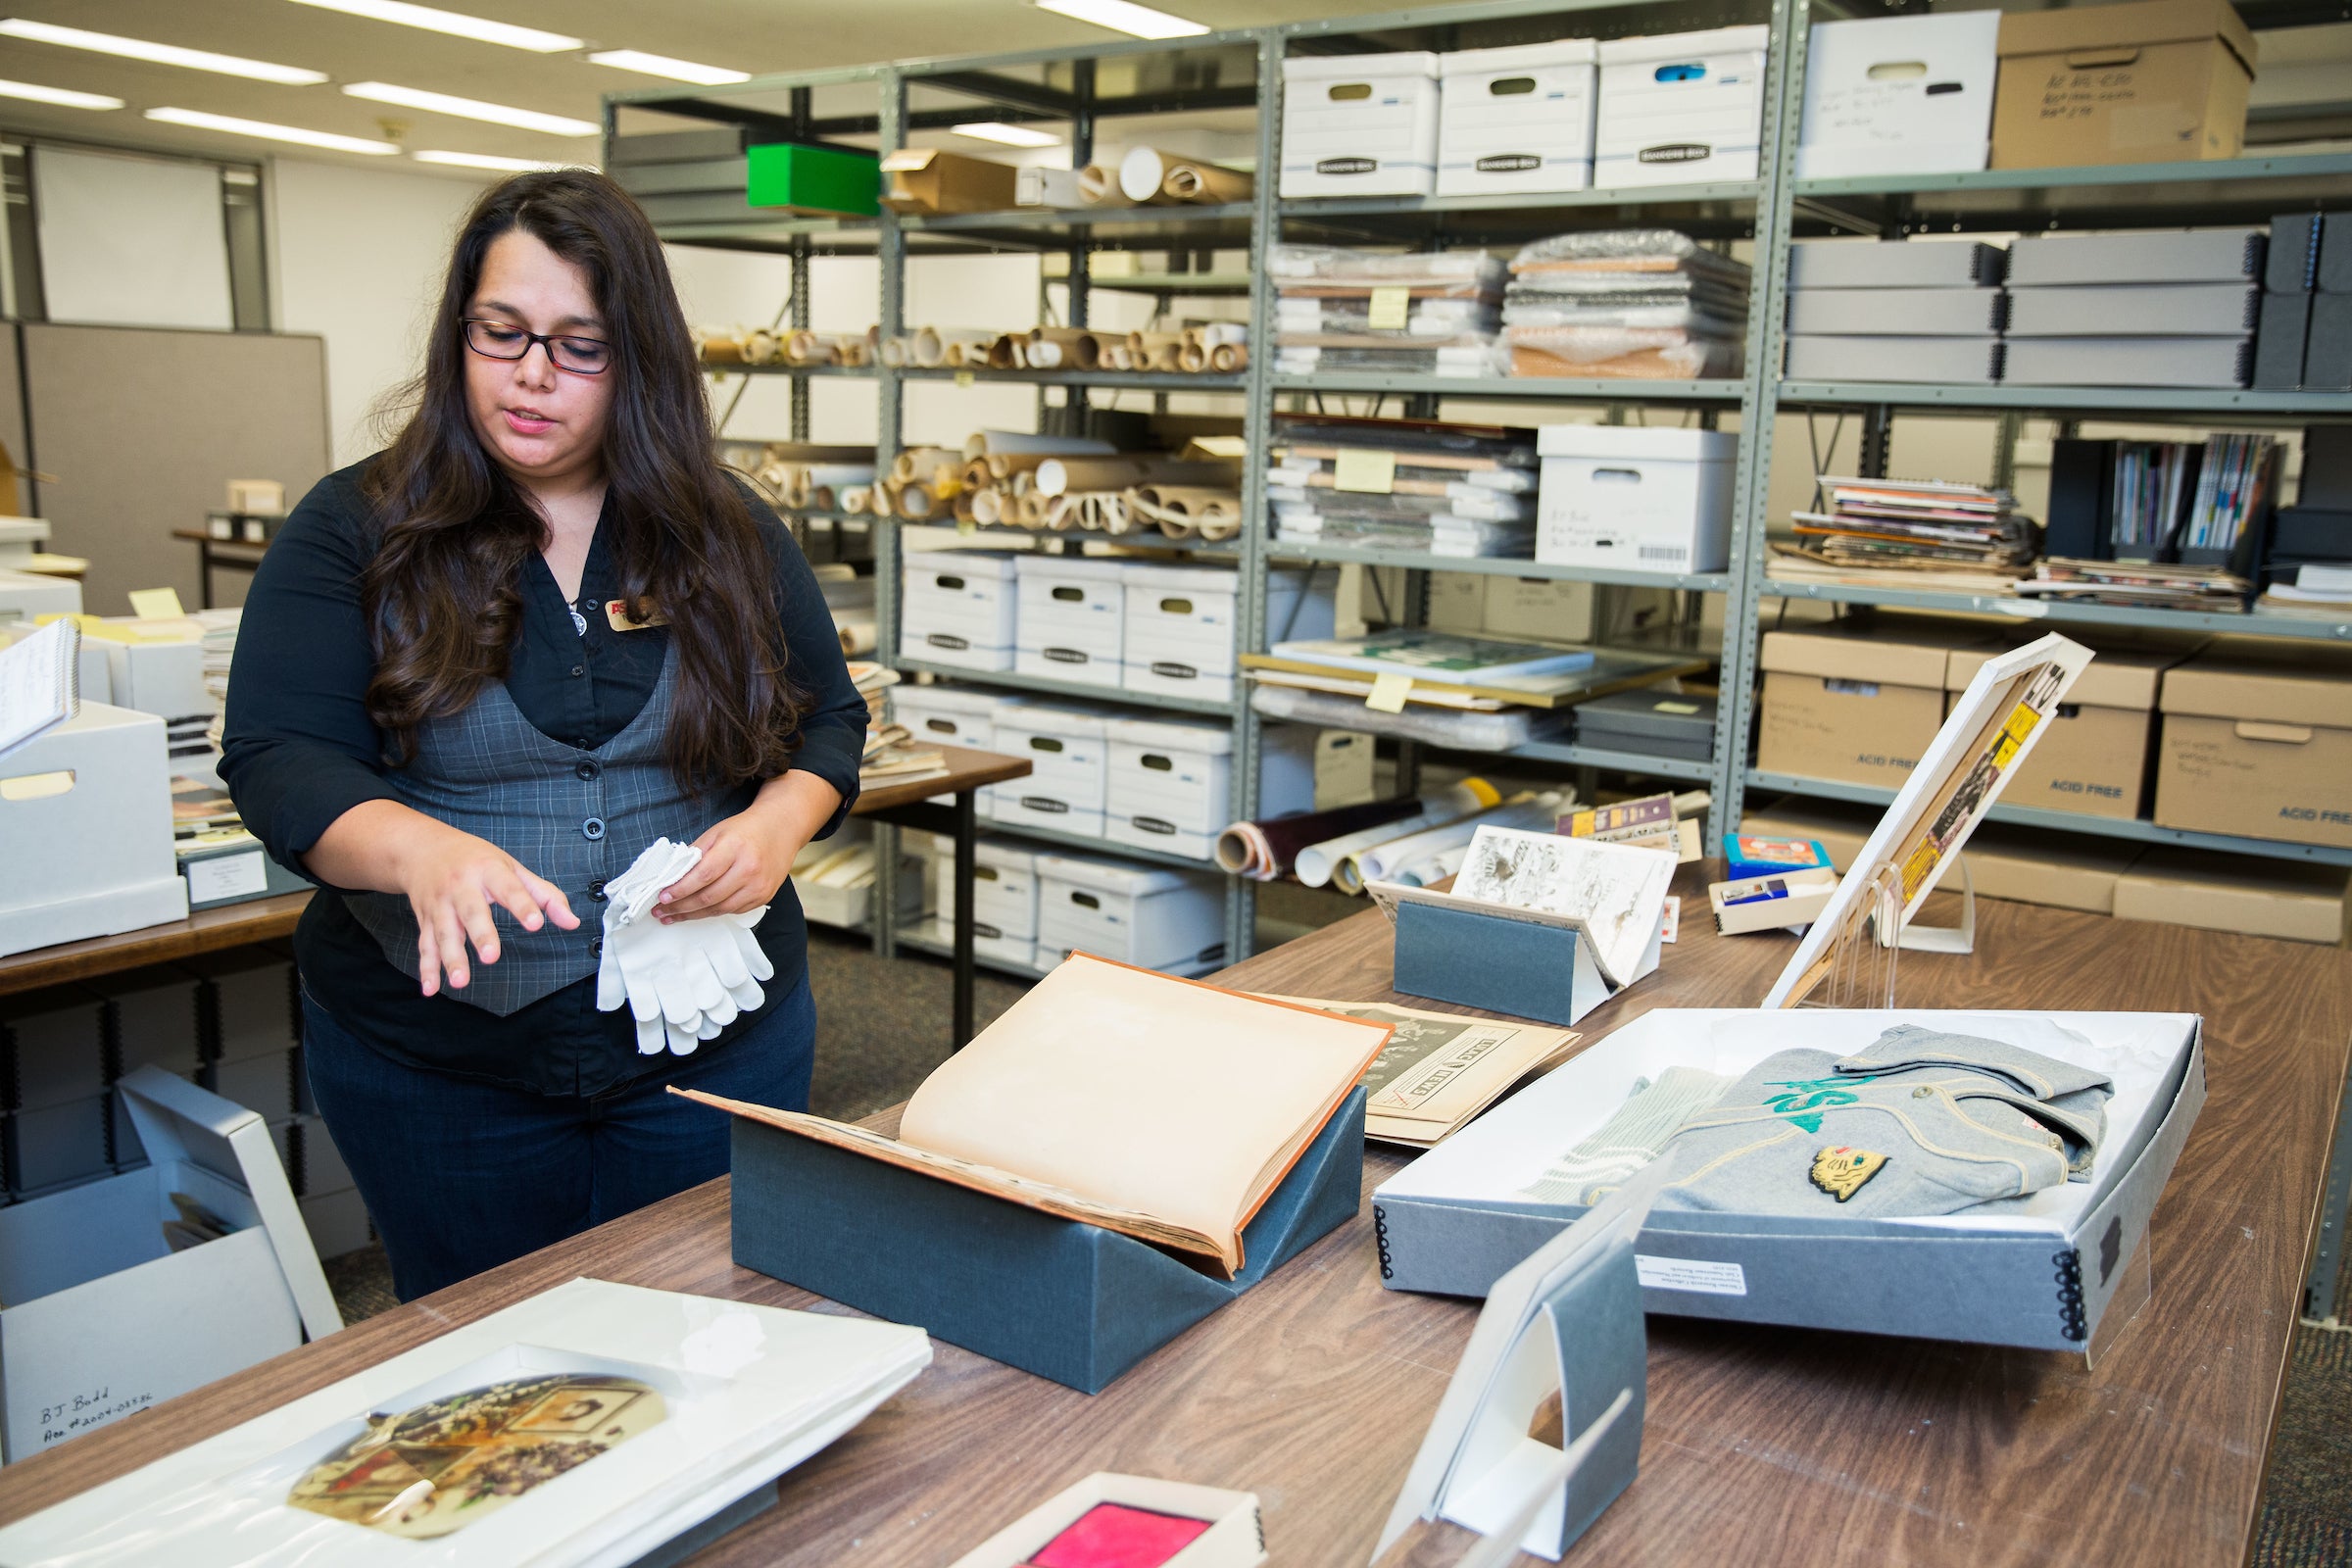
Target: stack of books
2190 500
1917 534
2315 591
1404 484
1343 309
1643 304
2146 585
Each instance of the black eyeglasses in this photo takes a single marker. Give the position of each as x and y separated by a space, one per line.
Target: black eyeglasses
501 340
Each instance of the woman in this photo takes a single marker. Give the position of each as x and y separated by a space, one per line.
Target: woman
478 673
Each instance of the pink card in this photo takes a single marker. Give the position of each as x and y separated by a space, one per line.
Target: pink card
1111 1534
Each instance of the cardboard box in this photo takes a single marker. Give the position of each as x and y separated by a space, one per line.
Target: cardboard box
1359 125
1457 1218
2156 81
1681 108
2095 758
1895 263
1898 95
1347 761
104 1319
2258 741
1517 118
926 179
1066 1300
1635 498
2261 898
1978 313
818 179
1968 360
2136 310
2034 865
1857 704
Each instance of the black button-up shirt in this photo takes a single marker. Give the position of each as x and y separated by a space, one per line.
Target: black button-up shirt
300 751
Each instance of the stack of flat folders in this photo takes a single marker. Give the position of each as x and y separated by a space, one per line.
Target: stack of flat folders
2143 584
1361 311
1641 304
1404 484
1916 533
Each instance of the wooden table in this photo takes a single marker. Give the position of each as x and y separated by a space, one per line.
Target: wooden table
236 554
273 918
1763 1444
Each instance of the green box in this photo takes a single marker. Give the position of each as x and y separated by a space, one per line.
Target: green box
814 179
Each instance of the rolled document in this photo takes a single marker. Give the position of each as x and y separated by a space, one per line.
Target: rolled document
1317 863
1265 849
1379 862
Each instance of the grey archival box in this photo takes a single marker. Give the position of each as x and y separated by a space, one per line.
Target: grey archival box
1897 311
2179 362
2164 256
1973 360
2279 347
2136 310
1895 263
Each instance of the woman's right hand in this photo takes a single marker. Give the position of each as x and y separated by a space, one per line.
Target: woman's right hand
451 879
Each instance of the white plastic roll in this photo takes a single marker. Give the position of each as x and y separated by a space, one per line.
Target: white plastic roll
1379 862
1317 863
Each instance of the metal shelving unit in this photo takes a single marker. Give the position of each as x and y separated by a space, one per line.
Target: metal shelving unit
1062 688
1236 70
1086 845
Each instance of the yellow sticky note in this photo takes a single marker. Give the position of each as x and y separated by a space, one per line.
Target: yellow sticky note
1678 707
965 378
1389 308
156 603
1362 469
1389 693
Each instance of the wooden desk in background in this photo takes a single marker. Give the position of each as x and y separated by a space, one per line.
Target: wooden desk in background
272 920
234 554
1763 1444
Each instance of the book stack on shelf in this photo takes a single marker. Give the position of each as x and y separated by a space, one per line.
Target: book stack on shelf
1343 309
1404 484
1896 310
2202 506
2139 585
1642 304
1911 533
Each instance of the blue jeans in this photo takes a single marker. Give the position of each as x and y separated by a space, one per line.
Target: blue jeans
462 1175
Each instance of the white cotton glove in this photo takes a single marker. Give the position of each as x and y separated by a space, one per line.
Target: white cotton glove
683 981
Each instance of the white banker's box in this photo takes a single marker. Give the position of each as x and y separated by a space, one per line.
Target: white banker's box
1073 611
104 1319
1359 125
1139 914
1899 95
1518 119
1169 782
1179 627
959 609
1068 760
1635 498
1681 108
85 812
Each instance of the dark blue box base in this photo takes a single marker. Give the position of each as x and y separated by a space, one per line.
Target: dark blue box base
1066 1300
1487 961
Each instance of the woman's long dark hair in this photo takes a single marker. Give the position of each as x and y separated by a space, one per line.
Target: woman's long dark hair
442 592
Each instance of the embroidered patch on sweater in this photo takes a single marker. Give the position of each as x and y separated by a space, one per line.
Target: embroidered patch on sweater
1841 1171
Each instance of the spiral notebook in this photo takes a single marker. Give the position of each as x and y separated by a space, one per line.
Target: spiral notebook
40 682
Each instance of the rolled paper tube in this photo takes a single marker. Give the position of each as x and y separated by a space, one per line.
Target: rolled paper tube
1147 343
988 506
720 349
1316 864
820 497
1078 346
856 636
960 356
1005 465
1030 511
1192 337
976 473
759 347
1267 849
914 502
858 499
1192 181
1165 358
1228 356
892 352
1114 356
1005 352
902 466
802 347
1098 187
1045 356
1118 474
851 353
1211 333
926 348
963 506
1378 862
1007 443
1192 356
883 500
1058 510
1219 521
1141 174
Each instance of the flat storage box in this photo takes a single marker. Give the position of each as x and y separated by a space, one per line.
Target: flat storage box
814 179
162 677
2157 255
1970 360
85 810
2258 741
1073 611
1649 723
1156 919
1895 263
2095 758
959 609
2038 1274
2243 892
231 868
1059 1297
2153 82
1069 764
2178 362
1681 108
1180 624
1899 95
1635 498
2327 351
1978 313
1856 705
103 1319
2136 310
1359 125
2279 341
27 596
1169 782
926 179
54 1051
1517 120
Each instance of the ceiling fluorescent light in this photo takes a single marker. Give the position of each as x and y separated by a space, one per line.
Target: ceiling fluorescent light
490 161
65 97
268 133
1009 136
646 64
160 53
456 25
441 103
1122 15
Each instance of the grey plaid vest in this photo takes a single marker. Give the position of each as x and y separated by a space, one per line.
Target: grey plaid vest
576 817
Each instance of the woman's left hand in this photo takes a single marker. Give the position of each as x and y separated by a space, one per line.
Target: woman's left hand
746 857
